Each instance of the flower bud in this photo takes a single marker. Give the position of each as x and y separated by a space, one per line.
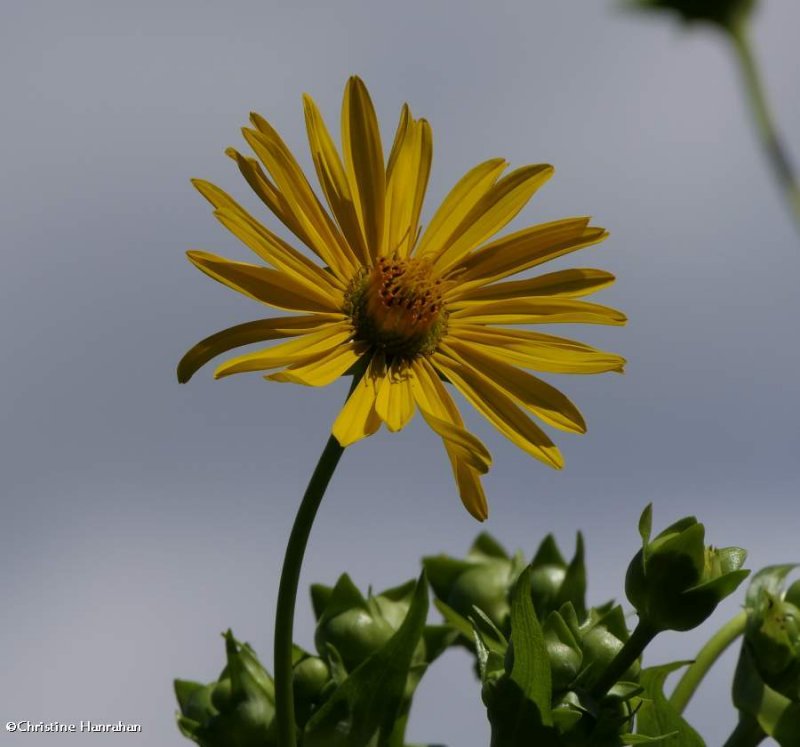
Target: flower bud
773 630
555 582
238 709
482 579
725 13
357 627
310 676
675 582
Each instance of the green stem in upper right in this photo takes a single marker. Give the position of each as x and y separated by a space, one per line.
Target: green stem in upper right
715 647
776 152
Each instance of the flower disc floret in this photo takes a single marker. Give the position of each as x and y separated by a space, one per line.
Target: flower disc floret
397 308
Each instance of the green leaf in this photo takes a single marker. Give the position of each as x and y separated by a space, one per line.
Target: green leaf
646 524
573 588
370 699
548 553
777 716
657 717
453 619
531 667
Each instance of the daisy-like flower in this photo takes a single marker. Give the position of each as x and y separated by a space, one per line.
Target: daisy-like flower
408 310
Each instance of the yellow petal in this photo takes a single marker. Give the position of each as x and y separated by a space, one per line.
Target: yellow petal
325 238
526 248
493 212
460 200
539 311
363 157
500 410
320 371
464 445
358 418
332 177
269 194
538 351
545 401
434 402
432 398
281 256
262 241
271 287
395 402
407 179
248 333
470 490
572 283
306 348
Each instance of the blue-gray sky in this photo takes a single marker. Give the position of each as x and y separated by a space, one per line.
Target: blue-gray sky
140 518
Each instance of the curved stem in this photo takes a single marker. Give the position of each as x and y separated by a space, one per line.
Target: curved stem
706 657
629 653
287 591
762 115
746 734
290 578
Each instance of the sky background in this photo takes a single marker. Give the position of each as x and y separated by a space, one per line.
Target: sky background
141 518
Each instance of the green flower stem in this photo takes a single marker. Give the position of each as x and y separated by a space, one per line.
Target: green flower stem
290 578
746 734
287 591
765 123
629 653
713 649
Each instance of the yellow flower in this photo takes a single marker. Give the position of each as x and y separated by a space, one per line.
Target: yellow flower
411 309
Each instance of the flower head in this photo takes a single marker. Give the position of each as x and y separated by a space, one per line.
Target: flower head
407 310
725 13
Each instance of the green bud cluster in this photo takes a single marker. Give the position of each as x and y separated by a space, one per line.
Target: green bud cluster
237 710
675 582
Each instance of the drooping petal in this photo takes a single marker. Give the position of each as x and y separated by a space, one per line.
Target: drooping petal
539 311
525 249
394 402
545 401
463 444
500 410
325 238
304 349
468 456
572 283
493 212
323 370
272 287
333 179
363 158
260 330
358 418
263 242
458 203
537 351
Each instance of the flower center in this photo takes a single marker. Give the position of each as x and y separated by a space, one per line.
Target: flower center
397 307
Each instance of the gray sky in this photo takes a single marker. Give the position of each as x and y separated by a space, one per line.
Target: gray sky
140 518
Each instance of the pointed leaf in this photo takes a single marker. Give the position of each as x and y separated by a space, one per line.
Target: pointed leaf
657 717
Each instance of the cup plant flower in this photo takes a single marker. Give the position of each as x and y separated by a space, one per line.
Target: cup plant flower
402 309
